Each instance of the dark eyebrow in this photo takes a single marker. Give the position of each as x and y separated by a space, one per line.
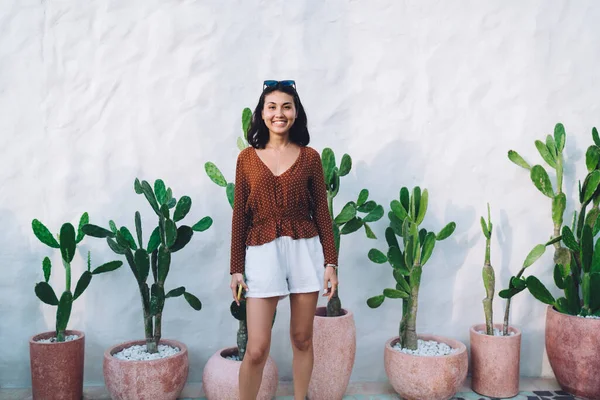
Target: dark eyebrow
287 103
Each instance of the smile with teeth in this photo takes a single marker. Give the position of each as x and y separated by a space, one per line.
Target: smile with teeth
279 123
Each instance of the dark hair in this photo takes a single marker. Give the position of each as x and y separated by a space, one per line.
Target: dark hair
258 134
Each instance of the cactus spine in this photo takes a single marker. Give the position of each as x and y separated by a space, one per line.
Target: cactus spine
166 239
407 262
489 278
348 220
67 243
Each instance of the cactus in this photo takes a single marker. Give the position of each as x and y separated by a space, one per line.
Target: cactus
166 239
519 283
348 220
67 243
577 263
213 171
215 175
488 275
239 312
407 262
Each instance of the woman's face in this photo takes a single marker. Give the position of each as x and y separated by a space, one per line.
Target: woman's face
279 112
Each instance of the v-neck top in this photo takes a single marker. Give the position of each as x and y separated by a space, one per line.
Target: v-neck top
267 206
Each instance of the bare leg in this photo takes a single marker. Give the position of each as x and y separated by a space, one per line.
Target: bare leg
303 306
260 317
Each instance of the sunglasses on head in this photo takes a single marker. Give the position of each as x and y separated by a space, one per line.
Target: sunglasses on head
267 84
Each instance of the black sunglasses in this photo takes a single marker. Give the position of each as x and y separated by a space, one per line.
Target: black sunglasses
267 84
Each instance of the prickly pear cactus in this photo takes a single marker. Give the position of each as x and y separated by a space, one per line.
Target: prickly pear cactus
576 264
155 258
239 312
213 171
407 259
353 216
67 242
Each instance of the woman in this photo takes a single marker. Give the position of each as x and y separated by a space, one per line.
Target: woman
282 235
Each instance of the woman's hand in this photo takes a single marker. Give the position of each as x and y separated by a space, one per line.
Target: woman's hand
330 282
236 281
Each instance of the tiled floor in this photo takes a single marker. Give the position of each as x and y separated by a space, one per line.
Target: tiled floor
537 395
532 389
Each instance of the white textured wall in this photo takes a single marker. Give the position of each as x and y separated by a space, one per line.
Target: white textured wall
94 94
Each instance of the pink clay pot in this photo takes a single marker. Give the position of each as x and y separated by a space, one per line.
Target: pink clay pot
426 377
220 377
334 344
57 368
161 379
573 347
495 362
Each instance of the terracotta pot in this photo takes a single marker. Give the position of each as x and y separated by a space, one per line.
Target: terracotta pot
573 347
495 362
57 368
334 344
220 377
161 379
426 377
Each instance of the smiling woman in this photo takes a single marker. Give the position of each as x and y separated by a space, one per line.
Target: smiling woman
282 240
278 102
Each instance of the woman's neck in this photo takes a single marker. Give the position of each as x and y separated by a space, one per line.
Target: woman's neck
278 142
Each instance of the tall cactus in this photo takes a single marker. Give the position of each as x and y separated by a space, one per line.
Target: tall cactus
215 175
349 219
166 239
577 265
407 261
488 275
551 151
67 243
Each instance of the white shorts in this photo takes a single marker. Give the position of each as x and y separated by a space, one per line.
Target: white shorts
284 266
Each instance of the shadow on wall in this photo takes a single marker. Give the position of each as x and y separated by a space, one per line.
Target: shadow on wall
118 292
22 312
375 326
448 258
436 313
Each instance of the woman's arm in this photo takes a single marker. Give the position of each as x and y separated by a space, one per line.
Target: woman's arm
239 221
321 214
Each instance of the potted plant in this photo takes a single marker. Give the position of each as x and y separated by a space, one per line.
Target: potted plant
57 357
220 375
154 368
424 367
572 321
334 330
496 348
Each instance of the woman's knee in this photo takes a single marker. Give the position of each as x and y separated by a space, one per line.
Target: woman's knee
257 353
302 340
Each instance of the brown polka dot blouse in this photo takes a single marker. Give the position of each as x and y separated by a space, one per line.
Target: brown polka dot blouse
267 206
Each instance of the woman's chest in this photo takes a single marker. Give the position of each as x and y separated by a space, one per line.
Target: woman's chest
293 185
